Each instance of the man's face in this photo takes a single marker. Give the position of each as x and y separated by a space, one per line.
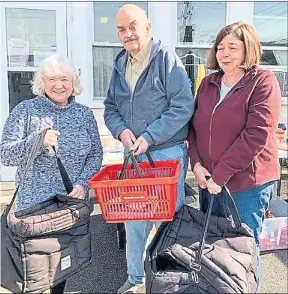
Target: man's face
133 33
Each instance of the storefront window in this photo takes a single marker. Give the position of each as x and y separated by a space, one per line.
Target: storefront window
19 84
103 59
274 60
270 20
192 58
199 22
31 35
274 57
105 34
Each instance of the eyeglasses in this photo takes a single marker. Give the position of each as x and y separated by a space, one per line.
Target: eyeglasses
63 81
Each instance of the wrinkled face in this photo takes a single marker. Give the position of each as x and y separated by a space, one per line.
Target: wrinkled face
230 54
132 32
59 87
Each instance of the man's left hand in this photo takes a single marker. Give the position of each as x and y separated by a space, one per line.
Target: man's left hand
140 146
77 192
213 188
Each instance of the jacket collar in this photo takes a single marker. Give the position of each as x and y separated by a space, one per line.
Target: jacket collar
249 75
122 57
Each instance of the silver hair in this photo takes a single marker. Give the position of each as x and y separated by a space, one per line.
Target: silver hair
55 65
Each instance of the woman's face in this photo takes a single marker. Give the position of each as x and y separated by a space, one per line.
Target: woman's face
58 87
230 54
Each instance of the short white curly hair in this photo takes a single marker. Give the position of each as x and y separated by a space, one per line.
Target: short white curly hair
54 65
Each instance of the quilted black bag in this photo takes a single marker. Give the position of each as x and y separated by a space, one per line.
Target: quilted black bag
224 261
47 243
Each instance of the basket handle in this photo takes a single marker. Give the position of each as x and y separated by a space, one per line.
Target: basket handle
134 164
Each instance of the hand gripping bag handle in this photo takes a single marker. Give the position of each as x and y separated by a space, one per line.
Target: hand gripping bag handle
35 148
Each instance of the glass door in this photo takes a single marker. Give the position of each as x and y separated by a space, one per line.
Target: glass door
30 32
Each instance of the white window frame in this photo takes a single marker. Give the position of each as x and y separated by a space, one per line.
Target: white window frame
98 102
8 173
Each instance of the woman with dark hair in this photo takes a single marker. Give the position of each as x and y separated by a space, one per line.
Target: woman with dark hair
232 133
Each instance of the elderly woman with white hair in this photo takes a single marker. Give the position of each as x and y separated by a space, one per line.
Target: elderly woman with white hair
72 130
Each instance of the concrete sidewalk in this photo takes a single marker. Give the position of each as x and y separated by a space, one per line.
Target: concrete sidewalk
108 269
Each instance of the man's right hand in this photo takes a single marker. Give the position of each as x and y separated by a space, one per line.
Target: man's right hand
127 138
50 138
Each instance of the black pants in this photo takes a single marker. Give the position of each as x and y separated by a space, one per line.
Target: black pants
58 289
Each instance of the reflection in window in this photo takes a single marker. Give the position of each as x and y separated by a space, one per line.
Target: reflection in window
105 31
270 20
19 87
282 77
31 35
193 25
105 20
274 57
103 60
191 58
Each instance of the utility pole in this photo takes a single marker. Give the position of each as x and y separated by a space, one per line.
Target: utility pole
187 17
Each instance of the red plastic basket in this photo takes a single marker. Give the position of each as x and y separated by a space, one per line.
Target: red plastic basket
152 197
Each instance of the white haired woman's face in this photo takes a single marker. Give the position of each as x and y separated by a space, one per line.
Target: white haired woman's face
58 87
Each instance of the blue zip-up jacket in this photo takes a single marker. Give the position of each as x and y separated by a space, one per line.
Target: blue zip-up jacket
161 104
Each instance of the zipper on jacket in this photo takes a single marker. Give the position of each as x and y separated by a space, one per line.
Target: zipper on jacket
253 166
217 105
132 93
225 98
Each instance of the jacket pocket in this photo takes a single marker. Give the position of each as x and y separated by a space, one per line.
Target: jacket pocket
138 127
63 263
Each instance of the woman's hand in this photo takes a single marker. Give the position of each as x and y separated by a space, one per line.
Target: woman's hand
50 138
212 187
77 192
201 173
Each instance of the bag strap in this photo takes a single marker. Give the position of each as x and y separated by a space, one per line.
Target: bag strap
64 175
130 155
36 146
233 217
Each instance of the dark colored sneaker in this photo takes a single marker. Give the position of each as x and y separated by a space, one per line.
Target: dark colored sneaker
128 287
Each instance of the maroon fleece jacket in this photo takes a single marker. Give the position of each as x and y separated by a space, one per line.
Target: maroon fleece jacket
236 141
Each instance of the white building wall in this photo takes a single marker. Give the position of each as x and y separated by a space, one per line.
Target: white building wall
79 35
163 18
239 11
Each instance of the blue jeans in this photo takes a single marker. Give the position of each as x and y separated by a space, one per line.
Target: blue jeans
137 232
251 205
